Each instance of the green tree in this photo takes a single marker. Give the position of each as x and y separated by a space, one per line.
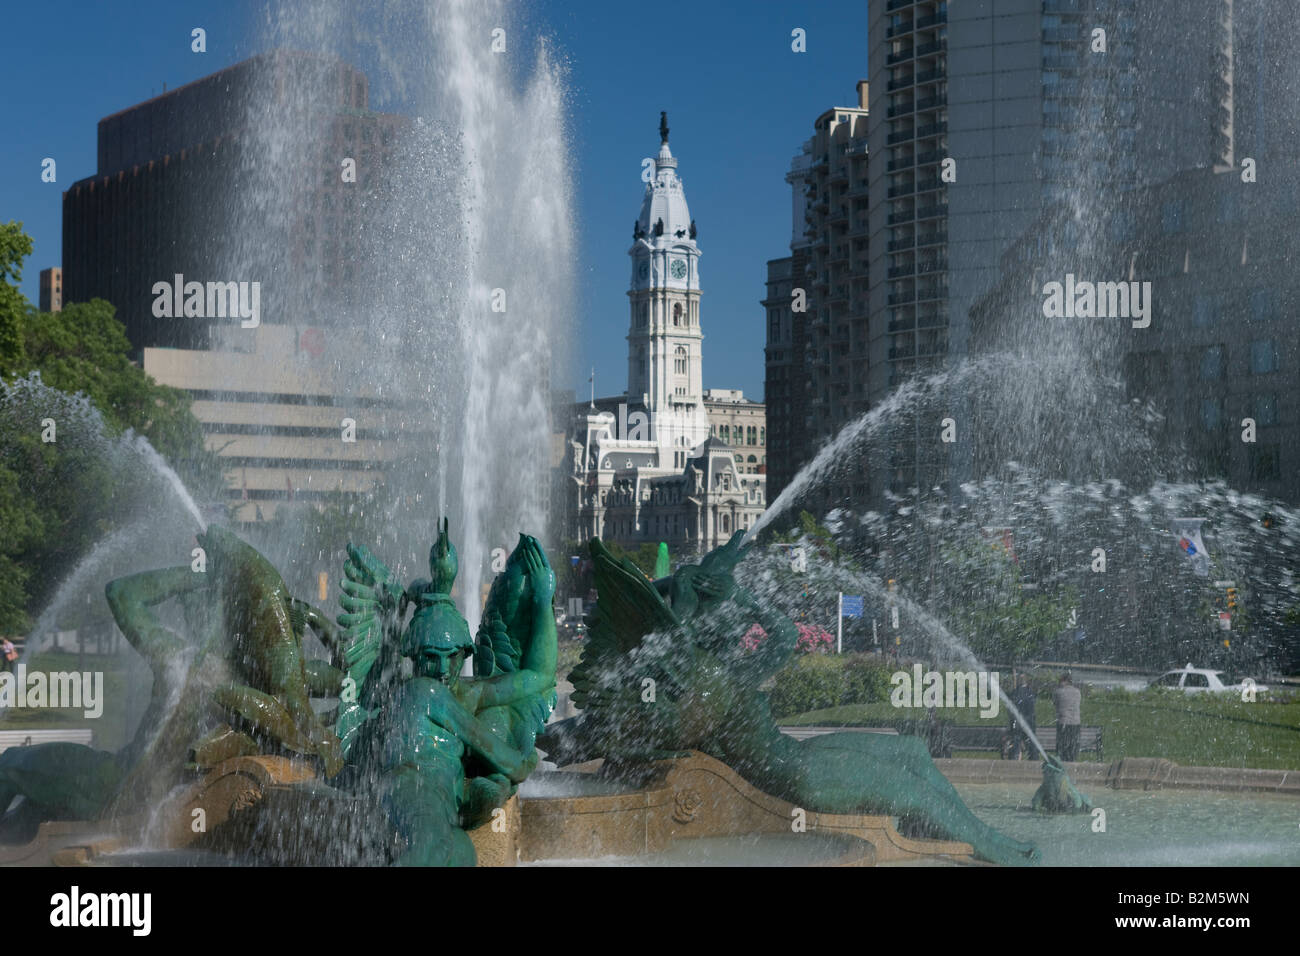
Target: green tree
988 605
15 246
57 499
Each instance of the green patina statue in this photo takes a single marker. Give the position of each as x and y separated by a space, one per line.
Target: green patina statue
1057 794
664 671
435 752
438 751
235 683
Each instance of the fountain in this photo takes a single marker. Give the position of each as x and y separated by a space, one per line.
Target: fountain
255 748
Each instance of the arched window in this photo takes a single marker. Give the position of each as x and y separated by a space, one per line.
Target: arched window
762 436
679 360
677 313
726 524
724 432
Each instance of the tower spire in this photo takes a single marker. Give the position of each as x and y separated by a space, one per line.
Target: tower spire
663 127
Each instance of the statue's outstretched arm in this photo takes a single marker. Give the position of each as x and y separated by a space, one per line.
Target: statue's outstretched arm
131 600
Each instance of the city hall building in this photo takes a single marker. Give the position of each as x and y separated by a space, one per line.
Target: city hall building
667 460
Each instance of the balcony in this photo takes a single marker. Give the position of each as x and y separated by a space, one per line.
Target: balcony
902 298
899 30
932 265
932 238
896 164
930 102
897 272
897 217
928 48
900 137
893 5
934 129
926 185
897 245
904 324
902 110
932 212
902 56
938 73
900 84
932 20
903 190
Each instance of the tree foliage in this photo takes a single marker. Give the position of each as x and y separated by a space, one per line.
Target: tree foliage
58 498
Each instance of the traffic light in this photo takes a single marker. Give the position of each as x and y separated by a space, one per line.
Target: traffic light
1232 599
1267 520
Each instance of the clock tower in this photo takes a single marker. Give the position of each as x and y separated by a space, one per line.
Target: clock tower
664 338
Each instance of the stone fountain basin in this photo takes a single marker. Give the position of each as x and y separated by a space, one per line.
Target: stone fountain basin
582 813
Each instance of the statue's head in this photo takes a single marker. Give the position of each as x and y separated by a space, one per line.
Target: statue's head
443 564
437 640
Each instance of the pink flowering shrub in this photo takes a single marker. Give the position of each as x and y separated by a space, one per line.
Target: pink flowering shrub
812 639
753 638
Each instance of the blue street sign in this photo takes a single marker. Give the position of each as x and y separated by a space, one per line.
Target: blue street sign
851 605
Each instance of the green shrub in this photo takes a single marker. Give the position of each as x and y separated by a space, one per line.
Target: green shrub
809 682
866 679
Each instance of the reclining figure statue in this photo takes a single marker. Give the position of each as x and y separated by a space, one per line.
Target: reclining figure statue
707 698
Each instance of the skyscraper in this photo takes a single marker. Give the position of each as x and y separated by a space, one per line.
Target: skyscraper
175 191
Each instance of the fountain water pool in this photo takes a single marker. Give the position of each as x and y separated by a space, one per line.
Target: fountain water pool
1150 828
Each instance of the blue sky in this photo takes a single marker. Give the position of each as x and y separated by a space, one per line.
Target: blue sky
739 103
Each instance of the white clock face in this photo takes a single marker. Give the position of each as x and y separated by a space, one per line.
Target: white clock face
678 268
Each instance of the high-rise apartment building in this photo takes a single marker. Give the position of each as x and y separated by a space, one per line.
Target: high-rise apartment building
983 115
817 299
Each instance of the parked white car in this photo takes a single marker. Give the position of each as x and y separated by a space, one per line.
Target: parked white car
1197 680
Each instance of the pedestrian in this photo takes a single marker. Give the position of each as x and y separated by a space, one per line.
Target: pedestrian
1066 699
8 655
1024 700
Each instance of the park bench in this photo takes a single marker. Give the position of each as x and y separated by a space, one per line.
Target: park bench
1089 740
26 738
999 738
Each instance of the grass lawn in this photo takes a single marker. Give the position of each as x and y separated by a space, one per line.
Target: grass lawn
109 727
1203 730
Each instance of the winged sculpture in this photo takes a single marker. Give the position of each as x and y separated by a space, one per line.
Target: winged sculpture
664 671
441 751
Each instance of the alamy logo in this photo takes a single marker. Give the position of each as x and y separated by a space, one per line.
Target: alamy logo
949 689
75 908
639 426
59 690
210 300
1082 299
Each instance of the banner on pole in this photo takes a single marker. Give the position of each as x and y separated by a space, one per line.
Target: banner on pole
1188 533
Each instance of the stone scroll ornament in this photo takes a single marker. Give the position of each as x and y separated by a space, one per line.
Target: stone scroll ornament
664 672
